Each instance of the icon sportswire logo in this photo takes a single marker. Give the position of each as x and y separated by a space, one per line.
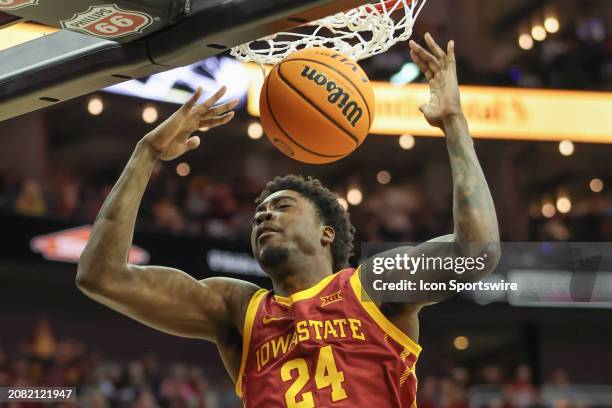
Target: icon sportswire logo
108 21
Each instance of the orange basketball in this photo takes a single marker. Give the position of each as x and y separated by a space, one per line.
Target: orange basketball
317 106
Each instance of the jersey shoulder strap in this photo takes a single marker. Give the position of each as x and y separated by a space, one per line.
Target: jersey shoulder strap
379 318
249 318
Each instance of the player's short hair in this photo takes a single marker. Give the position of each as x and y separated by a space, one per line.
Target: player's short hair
328 209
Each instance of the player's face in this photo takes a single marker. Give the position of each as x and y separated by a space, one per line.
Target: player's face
285 224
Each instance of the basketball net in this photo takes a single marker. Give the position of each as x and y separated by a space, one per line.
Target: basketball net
359 33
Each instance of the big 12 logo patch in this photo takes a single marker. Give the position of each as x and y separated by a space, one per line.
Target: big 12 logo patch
16 4
108 21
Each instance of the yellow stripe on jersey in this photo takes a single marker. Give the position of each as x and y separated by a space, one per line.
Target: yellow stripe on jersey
404 354
249 319
405 375
306 293
380 319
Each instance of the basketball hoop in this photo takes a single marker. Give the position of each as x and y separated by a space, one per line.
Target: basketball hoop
359 33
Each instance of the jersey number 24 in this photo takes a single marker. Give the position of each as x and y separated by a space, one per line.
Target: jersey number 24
326 375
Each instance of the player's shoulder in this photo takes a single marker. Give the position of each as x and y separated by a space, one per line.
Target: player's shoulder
222 282
236 294
235 290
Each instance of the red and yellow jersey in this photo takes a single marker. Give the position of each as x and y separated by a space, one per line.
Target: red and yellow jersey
325 347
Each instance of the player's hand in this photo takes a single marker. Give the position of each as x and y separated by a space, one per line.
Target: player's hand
440 68
174 137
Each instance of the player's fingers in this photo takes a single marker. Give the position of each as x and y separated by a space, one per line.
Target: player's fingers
192 101
210 102
421 52
415 58
425 56
217 121
435 48
193 143
451 53
221 109
422 66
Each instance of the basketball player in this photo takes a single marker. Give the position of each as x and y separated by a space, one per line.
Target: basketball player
313 340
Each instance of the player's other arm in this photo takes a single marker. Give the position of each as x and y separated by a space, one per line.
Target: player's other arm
475 222
164 298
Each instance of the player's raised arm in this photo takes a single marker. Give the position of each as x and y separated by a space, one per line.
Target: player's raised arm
473 210
164 298
475 223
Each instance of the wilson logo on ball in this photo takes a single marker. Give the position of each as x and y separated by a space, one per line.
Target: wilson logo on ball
351 110
108 21
309 102
16 4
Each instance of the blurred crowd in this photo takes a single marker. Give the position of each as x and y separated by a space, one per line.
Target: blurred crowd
495 390
590 220
200 205
44 359
579 57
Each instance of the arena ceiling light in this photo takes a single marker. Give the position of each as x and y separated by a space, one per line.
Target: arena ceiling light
150 114
566 147
183 169
406 142
552 25
538 32
255 130
548 210
596 185
354 196
95 106
383 177
564 205
525 41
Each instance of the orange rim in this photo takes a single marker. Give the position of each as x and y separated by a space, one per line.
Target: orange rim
389 4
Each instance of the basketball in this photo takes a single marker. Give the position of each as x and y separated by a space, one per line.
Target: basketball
317 106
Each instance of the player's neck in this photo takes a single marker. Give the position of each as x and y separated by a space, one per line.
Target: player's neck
303 274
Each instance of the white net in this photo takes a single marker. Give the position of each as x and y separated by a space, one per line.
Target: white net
359 33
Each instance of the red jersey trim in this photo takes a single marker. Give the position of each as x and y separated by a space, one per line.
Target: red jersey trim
379 318
249 318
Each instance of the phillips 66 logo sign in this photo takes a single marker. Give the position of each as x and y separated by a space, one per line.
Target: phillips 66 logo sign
16 4
108 22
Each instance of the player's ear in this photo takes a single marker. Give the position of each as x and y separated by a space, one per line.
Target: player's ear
328 235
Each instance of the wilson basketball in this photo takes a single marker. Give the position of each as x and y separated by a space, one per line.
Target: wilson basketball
317 106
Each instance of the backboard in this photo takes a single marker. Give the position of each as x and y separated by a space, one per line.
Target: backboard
102 43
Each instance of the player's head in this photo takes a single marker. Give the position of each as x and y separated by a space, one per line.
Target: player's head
307 219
